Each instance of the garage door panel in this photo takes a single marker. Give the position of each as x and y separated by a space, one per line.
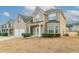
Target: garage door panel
18 32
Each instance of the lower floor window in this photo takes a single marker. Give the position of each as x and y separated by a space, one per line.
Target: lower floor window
51 31
56 31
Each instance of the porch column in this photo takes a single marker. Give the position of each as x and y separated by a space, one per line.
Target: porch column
54 29
8 32
39 30
44 28
29 29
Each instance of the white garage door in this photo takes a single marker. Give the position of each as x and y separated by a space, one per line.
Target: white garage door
18 32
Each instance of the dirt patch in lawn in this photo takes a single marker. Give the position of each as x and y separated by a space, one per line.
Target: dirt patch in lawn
20 45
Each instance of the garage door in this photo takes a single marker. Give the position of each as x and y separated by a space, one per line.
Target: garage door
18 32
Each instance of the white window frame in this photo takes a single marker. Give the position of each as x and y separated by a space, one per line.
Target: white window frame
57 28
50 28
37 18
52 16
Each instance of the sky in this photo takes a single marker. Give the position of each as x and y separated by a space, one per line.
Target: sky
10 12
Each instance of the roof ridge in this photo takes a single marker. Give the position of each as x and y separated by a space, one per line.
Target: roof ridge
25 18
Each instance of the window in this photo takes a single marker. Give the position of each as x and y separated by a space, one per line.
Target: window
50 29
3 26
53 29
52 16
2 30
56 29
37 19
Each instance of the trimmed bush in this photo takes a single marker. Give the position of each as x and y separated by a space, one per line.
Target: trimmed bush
26 34
50 35
0 34
66 35
47 35
78 32
57 35
4 34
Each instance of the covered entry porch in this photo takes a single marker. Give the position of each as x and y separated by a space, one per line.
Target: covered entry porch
37 30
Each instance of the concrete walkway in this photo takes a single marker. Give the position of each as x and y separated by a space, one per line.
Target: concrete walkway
7 38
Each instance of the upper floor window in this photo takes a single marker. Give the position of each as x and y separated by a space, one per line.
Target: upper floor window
52 16
3 26
37 19
10 25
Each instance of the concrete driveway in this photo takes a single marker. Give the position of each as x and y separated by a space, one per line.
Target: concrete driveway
7 38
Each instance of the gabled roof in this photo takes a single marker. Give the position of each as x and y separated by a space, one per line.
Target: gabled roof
53 21
51 10
47 9
25 18
43 9
37 9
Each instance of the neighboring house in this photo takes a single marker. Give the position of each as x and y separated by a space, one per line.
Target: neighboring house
76 27
8 27
21 25
48 21
73 27
69 27
0 28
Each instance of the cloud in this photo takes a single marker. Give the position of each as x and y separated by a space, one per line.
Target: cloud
47 7
73 12
32 8
77 7
6 13
72 15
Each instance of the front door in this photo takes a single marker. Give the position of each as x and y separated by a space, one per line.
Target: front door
36 31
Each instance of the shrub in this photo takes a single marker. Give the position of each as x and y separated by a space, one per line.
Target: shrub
0 34
4 34
26 34
57 35
66 35
78 32
47 35
50 35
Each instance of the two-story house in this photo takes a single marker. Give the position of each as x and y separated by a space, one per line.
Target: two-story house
48 21
8 27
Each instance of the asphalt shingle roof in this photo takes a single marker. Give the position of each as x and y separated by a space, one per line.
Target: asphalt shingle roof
26 18
54 21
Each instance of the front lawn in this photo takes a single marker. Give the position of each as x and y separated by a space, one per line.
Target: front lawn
63 44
